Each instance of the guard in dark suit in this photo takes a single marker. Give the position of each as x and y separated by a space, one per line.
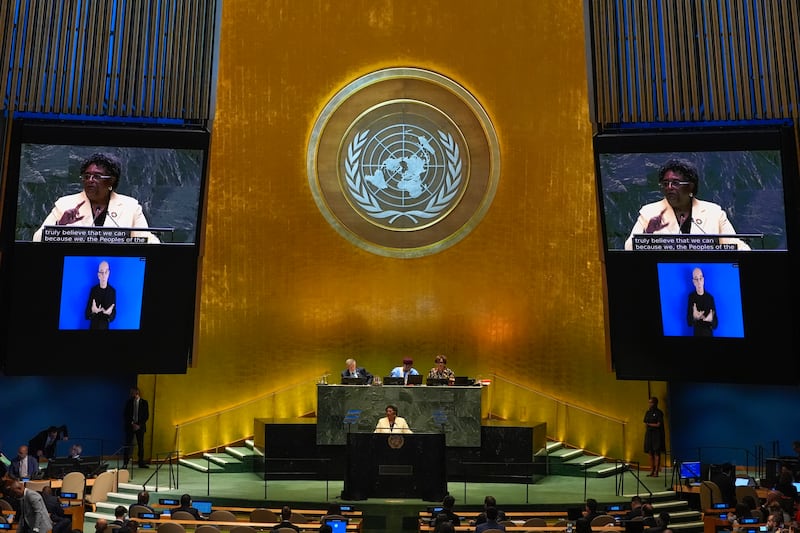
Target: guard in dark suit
135 416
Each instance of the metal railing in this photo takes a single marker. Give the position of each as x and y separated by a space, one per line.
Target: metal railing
234 423
572 424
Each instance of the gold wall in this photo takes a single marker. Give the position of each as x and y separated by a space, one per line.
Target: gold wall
285 298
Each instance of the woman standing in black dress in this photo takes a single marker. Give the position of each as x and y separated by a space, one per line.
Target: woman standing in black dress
654 437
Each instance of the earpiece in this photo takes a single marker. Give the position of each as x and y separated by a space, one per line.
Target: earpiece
110 188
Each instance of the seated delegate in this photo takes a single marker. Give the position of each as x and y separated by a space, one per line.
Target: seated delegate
407 369
440 371
352 370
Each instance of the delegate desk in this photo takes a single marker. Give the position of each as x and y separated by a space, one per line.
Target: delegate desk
395 465
713 523
353 526
343 409
530 529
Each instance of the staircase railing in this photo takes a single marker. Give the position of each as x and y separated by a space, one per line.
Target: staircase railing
234 423
566 422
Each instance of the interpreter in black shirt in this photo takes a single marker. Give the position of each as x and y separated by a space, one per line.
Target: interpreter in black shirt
101 308
701 311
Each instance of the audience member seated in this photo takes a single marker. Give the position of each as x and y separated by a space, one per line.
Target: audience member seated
334 511
785 485
648 515
186 505
775 522
591 511
101 525
751 503
130 527
742 510
488 501
119 516
142 499
286 516
43 444
446 515
6 494
61 522
75 451
23 466
491 521
635 510
773 504
662 522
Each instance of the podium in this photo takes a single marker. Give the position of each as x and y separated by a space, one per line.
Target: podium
387 465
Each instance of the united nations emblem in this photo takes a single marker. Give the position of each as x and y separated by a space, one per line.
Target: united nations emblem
395 441
403 162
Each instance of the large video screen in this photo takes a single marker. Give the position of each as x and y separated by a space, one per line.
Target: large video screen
708 198
152 187
698 229
101 232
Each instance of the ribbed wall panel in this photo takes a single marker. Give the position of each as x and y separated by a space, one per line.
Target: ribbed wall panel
114 58
694 60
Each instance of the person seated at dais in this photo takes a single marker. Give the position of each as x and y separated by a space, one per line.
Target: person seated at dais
440 371
407 369
352 370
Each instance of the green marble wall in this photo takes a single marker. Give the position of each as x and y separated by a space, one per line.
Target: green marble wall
419 405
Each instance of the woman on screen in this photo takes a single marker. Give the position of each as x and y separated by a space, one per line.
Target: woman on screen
680 211
98 204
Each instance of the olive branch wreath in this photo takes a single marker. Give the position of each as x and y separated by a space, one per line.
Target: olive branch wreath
366 201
